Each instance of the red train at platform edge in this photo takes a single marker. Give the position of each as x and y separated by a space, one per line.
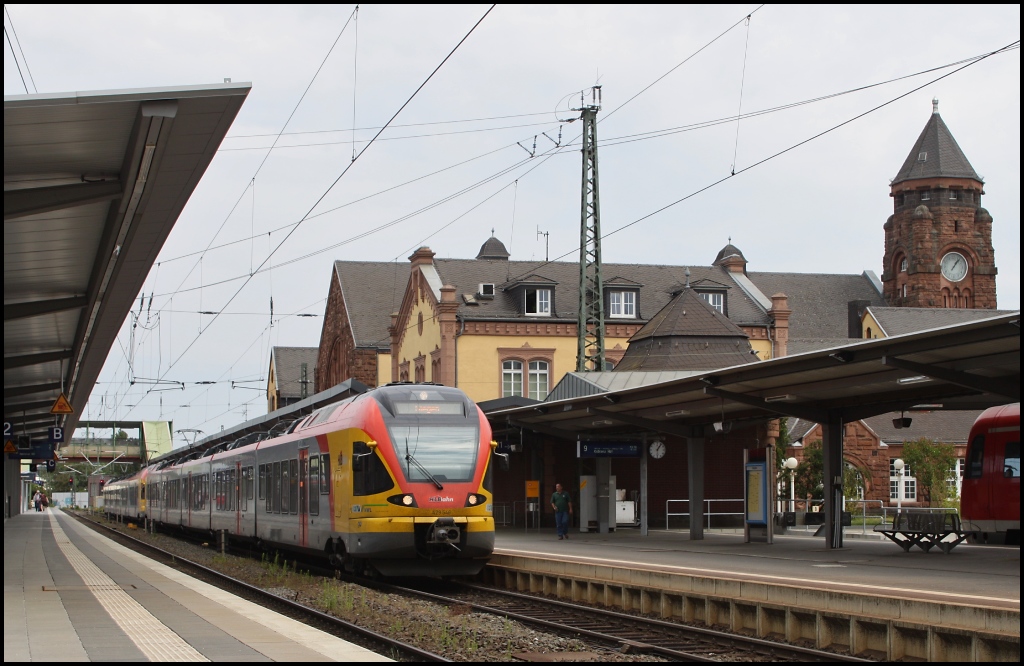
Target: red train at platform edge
990 494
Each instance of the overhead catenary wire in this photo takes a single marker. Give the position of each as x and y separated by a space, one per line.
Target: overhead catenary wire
973 61
335 182
20 48
739 109
609 142
271 149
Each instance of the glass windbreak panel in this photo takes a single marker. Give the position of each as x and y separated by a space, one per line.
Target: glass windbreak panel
448 453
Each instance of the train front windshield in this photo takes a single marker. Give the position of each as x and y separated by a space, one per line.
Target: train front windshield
446 453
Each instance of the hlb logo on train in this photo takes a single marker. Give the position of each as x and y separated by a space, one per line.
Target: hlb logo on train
438 498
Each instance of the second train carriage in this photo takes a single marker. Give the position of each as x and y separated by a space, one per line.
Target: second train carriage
396 480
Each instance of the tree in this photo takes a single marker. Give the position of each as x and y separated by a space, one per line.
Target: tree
932 464
810 472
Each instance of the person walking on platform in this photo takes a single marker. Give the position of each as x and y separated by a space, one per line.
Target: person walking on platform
37 499
561 502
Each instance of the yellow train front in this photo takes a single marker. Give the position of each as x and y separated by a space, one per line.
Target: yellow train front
409 468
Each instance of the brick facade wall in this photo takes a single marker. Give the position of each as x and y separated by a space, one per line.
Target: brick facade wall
339 358
922 230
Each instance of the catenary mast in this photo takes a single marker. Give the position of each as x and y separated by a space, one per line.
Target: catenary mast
590 322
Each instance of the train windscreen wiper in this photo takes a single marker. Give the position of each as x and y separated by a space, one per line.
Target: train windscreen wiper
409 458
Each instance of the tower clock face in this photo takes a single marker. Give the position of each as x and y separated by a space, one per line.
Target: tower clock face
954 266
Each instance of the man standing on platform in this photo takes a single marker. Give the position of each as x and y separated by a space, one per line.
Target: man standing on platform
561 502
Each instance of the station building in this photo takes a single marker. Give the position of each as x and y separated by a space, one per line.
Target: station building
505 330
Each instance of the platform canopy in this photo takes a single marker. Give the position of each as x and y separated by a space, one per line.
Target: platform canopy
968 366
93 184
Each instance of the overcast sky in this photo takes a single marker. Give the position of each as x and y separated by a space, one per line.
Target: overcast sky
817 208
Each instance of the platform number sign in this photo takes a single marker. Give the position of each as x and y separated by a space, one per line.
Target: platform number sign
8 431
56 433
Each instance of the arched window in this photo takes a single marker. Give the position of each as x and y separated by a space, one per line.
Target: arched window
538 380
903 265
511 378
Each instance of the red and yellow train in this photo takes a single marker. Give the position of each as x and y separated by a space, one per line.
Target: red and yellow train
396 480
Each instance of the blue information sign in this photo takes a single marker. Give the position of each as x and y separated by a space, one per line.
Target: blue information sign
590 449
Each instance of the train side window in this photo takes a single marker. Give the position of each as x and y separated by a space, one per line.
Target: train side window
1011 460
369 475
314 485
325 474
293 485
262 490
276 472
249 474
975 457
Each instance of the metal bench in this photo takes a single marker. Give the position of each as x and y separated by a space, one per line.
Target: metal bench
924 529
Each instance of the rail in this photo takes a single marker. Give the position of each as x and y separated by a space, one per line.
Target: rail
707 510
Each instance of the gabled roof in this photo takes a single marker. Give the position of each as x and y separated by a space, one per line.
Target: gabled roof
950 427
897 321
935 154
372 291
820 302
287 363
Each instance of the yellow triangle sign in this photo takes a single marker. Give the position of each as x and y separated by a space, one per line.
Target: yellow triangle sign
9 447
61 406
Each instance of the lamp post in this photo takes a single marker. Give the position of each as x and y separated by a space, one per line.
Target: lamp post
901 471
791 464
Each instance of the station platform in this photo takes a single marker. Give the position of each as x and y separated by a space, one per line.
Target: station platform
71 594
868 598
973 575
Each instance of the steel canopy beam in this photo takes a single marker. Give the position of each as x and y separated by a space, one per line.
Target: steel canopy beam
31 201
964 379
16 391
35 308
650 424
802 411
35 359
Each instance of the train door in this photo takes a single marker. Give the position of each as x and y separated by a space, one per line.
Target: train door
303 496
187 500
237 501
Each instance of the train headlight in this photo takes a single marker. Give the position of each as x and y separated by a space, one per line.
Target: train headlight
404 500
475 499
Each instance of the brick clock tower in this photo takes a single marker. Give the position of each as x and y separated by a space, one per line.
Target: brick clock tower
938 242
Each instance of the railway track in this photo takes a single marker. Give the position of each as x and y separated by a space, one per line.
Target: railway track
609 629
630 633
372 640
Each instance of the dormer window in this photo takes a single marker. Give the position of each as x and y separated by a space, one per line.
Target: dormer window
486 290
715 300
538 302
622 304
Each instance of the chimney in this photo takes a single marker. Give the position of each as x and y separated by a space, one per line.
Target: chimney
780 313
422 257
855 311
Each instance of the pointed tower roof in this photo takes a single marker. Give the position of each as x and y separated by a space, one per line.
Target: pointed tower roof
936 154
493 249
687 334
